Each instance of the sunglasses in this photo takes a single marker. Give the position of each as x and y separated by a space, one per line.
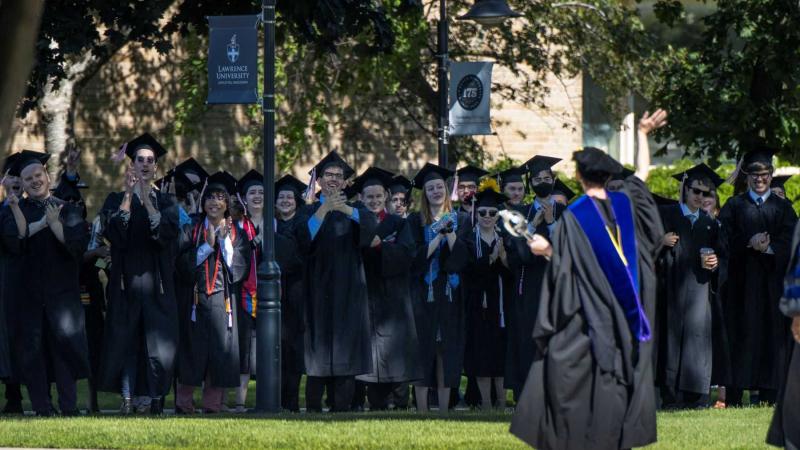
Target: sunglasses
484 213
706 194
148 160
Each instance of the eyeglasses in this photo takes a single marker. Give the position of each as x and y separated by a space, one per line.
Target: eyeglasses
148 160
763 175
706 194
216 196
333 175
538 180
487 212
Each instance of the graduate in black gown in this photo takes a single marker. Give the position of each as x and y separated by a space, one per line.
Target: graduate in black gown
141 334
591 384
220 258
784 430
484 293
757 230
9 277
337 343
685 296
51 337
387 264
527 271
441 253
292 223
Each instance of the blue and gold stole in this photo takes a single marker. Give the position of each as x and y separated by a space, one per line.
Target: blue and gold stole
617 255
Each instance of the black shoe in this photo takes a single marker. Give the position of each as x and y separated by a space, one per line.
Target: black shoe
156 408
127 407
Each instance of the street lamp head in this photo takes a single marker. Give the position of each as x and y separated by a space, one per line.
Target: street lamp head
490 12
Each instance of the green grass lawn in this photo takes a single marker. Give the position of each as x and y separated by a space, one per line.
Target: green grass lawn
734 428
743 428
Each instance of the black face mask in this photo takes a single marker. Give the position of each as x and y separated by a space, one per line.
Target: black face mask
543 189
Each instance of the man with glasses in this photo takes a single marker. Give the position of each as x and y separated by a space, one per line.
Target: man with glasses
467 179
141 335
757 231
686 266
337 335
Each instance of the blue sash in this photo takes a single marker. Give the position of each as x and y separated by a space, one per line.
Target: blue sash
623 278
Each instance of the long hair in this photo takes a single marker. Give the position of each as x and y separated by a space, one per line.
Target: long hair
425 207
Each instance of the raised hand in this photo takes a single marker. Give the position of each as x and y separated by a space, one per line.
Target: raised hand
13 200
650 123
51 213
211 236
225 228
73 158
540 246
130 180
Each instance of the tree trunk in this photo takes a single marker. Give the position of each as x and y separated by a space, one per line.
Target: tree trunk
19 20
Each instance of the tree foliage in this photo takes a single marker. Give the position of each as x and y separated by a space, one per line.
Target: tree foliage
738 85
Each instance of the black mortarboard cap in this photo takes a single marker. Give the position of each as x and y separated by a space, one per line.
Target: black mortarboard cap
512 175
431 172
9 162
780 180
489 198
192 167
221 181
251 178
69 192
561 188
25 159
333 158
289 182
760 154
539 163
592 159
145 141
373 176
470 174
701 170
624 175
399 184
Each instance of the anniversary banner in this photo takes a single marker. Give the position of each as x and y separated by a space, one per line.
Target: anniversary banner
233 59
470 89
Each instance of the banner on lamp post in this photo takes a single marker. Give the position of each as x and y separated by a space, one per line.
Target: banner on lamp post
233 59
470 89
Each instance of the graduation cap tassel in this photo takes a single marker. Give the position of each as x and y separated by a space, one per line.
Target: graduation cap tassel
454 191
119 156
200 200
502 306
309 194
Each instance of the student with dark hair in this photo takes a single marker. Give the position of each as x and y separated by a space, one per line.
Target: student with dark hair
686 267
757 230
591 384
219 257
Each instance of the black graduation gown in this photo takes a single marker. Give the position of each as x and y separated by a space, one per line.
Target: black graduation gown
525 275
574 399
393 333
291 259
141 294
337 313
684 303
758 333
211 344
8 282
484 293
52 299
784 430
94 306
441 322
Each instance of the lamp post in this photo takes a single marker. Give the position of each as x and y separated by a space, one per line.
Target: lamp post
483 12
268 318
